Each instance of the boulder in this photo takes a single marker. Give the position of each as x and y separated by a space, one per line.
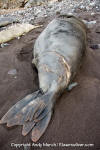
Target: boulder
5 4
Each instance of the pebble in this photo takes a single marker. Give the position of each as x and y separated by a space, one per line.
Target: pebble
18 37
89 24
87 8
72 85
92 13
92 4
95 46
4 44
82 7
12 72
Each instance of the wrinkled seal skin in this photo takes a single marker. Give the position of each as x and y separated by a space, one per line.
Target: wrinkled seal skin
57 57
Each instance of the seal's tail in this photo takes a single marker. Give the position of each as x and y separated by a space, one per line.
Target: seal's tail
33 112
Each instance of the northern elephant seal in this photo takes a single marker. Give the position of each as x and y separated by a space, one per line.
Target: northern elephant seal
57 56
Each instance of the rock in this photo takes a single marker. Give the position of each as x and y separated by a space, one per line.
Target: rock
92 4
5 4
12 72
31 21
72 85
92 13
4 44
95 46
82 6
91 23
7 20
31 3
87 8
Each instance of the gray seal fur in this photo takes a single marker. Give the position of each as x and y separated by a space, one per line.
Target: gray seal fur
58 51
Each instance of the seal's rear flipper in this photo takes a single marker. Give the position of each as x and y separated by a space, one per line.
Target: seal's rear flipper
40 127
33 111
39 121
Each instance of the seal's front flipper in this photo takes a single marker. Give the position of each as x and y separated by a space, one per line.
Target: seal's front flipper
21 111
40 127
